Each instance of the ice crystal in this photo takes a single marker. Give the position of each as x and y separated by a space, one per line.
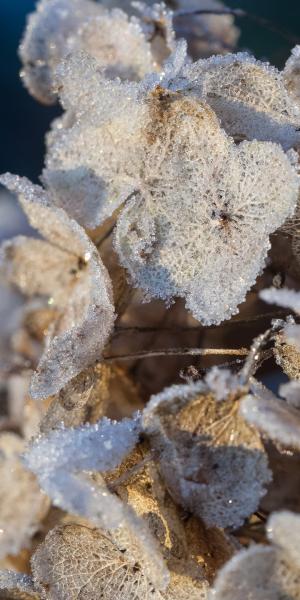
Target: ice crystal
275 418
58 27
287 356
16 586
77 283
213 462
22 505
262 572
249 97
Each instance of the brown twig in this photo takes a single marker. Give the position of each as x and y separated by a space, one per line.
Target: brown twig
179 352
119 329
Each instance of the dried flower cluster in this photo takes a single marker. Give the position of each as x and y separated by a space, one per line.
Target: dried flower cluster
171 181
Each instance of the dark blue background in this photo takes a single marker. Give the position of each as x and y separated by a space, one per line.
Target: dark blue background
23 122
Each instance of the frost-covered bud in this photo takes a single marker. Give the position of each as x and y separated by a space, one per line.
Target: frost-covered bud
59 27
76 283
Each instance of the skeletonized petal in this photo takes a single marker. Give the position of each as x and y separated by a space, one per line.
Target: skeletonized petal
81 285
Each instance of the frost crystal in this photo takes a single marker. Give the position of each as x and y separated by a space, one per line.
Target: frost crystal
77 283
262 572
275 418
22 505
16 586
59 27
248 96
213 462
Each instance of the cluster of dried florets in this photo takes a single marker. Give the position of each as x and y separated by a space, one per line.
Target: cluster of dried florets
164 179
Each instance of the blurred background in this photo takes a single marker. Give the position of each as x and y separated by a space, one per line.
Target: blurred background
23 122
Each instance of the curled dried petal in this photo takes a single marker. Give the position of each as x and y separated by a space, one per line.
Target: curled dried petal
79 284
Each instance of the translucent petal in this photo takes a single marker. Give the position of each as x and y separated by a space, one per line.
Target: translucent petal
283 297
77 560
22 504
213 462
276 419
248 96
291 74
81 285
44 42
59 27
283 530
261 572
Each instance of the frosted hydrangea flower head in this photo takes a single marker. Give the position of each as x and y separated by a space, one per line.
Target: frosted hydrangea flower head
172 243
161 146
77 283
118 43
264 572
213 463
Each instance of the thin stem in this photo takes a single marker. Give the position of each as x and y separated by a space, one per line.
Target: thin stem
240 13
179 352
119 329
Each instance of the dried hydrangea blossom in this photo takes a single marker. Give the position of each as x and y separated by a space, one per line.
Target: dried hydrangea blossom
276 419
174 245
58 27
77 283
291 74
78 560
61 460
22 504
16 586
213 462
265 572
